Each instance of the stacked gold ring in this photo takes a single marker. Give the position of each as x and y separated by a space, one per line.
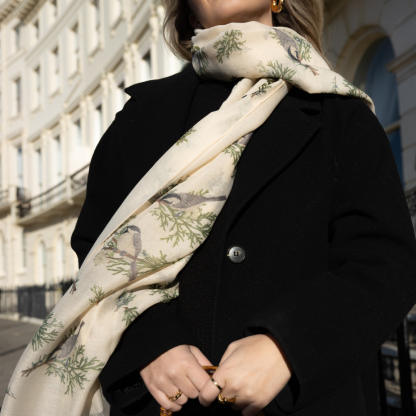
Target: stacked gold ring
175 396
219 387
225 401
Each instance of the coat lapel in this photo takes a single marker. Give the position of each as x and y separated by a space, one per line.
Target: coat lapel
271 148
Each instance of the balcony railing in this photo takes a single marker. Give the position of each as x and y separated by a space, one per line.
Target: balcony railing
61 192
4 197
79 178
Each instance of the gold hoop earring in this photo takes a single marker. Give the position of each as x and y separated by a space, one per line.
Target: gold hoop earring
277 7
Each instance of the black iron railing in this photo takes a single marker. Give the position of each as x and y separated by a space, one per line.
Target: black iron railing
42 201
79 178
33 301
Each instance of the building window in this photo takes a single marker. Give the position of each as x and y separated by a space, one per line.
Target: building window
96 22
146 67
36 33
53 10
78 132
58 157
75 55
36 83
39 170
17 101
120 96
41 260
55 70
60 258
98 124
371 73
17 32
24 248
19 170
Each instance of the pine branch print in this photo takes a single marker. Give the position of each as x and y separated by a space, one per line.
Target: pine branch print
228 44
202 58
9 392
354 91
130 314
194 226
42 335
184 137
263 88
235 151
304 49
276 70
124 299
164 292
334 86
73 370
98 295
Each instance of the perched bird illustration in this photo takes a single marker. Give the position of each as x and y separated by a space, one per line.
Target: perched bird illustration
64 348
291 47
129 245
187 202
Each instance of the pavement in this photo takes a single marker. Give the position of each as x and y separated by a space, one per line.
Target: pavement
14 337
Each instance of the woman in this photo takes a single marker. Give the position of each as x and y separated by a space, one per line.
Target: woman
317 219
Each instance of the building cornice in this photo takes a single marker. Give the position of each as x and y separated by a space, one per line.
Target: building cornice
28 8
8 9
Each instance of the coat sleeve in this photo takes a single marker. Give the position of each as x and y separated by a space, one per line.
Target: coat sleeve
158 326
332 324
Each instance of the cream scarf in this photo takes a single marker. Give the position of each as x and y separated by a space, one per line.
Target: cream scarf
168 214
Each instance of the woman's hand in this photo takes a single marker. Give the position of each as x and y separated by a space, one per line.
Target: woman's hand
253 370
177 368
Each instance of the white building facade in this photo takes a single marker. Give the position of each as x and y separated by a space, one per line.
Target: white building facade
64 65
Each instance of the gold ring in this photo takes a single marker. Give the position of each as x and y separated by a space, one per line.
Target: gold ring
224 400
220 388
175 396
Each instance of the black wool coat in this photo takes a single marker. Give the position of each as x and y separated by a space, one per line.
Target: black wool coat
330 267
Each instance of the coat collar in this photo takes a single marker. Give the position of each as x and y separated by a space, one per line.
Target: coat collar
273 146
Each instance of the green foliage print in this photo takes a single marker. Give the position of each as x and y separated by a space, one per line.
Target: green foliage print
230 42
354 91
202 58
334 86
130 314
124 299
98 295
9 392
69 364
304 49
184 137
46 333
190 224
276 70
263 88
167 295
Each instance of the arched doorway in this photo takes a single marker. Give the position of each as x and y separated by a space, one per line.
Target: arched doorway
373 77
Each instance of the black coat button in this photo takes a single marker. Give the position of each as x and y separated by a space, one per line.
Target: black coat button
236 254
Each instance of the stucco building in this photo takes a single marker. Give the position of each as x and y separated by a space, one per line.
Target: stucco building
64 65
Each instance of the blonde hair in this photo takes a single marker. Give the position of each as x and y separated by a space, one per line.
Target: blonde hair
304 17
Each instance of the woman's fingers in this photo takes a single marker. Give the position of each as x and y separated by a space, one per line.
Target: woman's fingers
210 391
202 360
163 400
